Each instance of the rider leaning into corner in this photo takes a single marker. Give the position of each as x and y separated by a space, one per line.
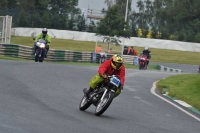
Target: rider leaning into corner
147 53
44 36
113 66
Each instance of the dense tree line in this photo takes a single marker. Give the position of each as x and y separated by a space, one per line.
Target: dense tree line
167 19
164 19
55 14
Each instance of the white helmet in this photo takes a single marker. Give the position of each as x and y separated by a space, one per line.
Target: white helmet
44 31
146 48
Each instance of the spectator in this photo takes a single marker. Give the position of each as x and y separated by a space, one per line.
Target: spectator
98 49
110 51
125 50
132 51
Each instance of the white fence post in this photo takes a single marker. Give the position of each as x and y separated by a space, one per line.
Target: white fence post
5 28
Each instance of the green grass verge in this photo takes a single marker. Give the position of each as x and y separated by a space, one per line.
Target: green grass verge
158 55
11 58
185 87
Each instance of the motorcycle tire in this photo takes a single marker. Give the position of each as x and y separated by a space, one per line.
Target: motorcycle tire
36 58
140 66
103 105
37 55
84 104
41 59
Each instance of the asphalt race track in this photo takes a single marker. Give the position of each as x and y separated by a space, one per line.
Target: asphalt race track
44 98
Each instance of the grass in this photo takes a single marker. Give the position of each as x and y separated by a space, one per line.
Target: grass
185 87
11 58
158 55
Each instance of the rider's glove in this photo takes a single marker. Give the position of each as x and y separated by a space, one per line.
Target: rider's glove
104 76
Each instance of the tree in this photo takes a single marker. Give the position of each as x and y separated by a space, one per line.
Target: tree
12 4
4 4
92 27
71 23
197 38
109 3
23 19
81 22
113 25
121 4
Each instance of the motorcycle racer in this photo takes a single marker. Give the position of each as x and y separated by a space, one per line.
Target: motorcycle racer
44 36
147 53
113 66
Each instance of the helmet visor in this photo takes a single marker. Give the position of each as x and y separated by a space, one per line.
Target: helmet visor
44 32
117 65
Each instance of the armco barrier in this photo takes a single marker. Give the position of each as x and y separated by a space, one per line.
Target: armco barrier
26 52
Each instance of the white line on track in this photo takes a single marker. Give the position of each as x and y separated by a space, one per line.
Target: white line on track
183 110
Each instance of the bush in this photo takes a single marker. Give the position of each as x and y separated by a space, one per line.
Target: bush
197 38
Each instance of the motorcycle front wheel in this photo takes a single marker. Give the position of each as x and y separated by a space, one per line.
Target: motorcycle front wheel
41 59
36 55
104 104
84 104
140 66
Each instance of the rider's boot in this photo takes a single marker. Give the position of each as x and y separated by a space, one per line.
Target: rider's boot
147 64
87 92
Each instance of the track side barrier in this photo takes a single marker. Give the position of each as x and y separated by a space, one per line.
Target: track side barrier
26 52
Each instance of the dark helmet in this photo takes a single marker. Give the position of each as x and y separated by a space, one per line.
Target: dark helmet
44 31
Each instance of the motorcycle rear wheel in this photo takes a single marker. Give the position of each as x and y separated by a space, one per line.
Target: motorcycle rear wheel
104 104
84 104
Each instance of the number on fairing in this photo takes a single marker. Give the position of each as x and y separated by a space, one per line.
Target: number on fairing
115 81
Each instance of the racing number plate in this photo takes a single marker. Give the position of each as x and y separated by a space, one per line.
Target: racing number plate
115 81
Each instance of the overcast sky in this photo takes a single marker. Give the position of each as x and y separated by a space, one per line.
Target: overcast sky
99 4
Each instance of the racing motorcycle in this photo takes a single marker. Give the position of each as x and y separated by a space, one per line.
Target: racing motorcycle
40 50
102 96
142 62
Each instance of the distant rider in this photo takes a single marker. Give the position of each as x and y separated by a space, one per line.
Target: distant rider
147 53
113 66
44 36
